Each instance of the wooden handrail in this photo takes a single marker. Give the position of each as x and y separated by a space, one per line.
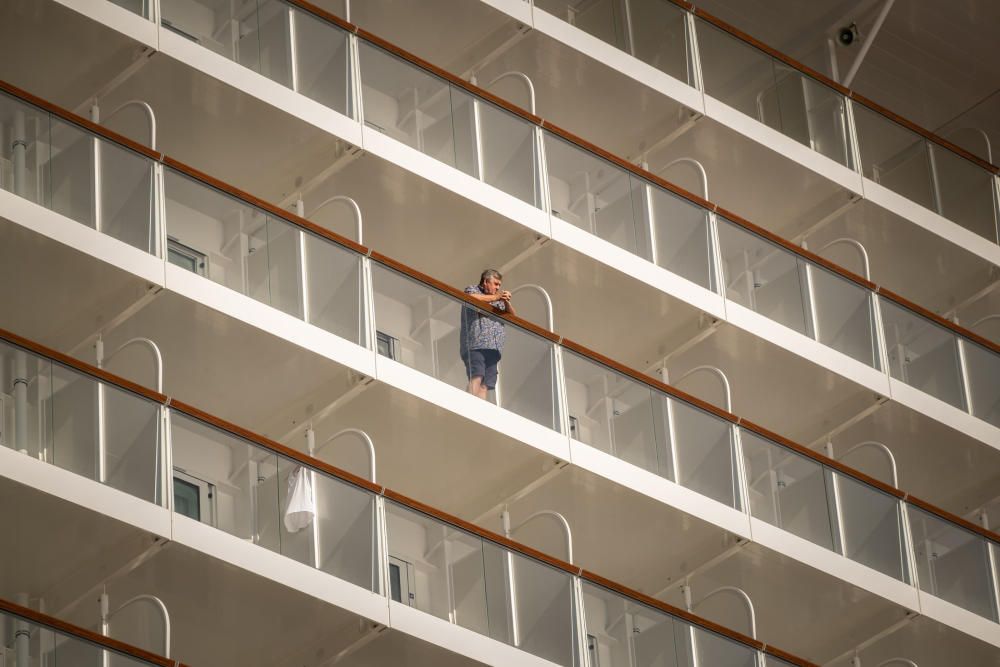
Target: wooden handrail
71 630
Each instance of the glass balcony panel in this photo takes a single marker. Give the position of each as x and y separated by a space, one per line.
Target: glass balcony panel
125 207
133 434
739 75
71 172
771 661
623 633
614 413
510 161
922 354
283 267
713 649
594 195
69 431
764 277
608 630
844 316
269 500
229 28
416 108
74 422
826 121
659 38
140 7
952 563
27 429
965 191
703 455
682 236
47 647
24 150
322 65
872 527
241 480
787 490
603 19
340 538
637 424
273 56
807 111
222 230
426 326
894 156
983 368
333 287
127 197
461 578
543 598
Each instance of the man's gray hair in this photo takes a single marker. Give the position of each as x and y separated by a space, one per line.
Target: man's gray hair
489 273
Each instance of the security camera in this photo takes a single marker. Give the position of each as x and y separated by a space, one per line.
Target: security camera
848 34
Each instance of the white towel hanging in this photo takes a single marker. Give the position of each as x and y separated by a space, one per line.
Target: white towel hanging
300 509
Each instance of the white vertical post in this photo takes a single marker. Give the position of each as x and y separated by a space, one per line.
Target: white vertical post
991 557
543 198
647 195
810 296
21 401
579 624
716 270
168 461
515 634
629 32
695 76
18 148
854 143
841 534
293 48
741 490
105 625
158 223
560 407
314 524
95 116
963 370
692 632
22 636
477 130
910 553
355 99
935 178
300 210
101 425
381 549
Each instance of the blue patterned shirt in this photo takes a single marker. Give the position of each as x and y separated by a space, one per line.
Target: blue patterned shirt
479 330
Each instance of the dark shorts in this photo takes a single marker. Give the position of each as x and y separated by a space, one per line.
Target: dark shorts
482 363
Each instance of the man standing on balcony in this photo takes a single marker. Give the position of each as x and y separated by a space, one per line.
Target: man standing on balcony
482 336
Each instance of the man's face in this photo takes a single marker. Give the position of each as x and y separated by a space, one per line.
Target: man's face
491 285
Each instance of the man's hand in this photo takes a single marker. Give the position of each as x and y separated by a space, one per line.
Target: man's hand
504 295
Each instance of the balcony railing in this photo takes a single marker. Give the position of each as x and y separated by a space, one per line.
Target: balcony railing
549 380
370 536
693 46
39 639
515 151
